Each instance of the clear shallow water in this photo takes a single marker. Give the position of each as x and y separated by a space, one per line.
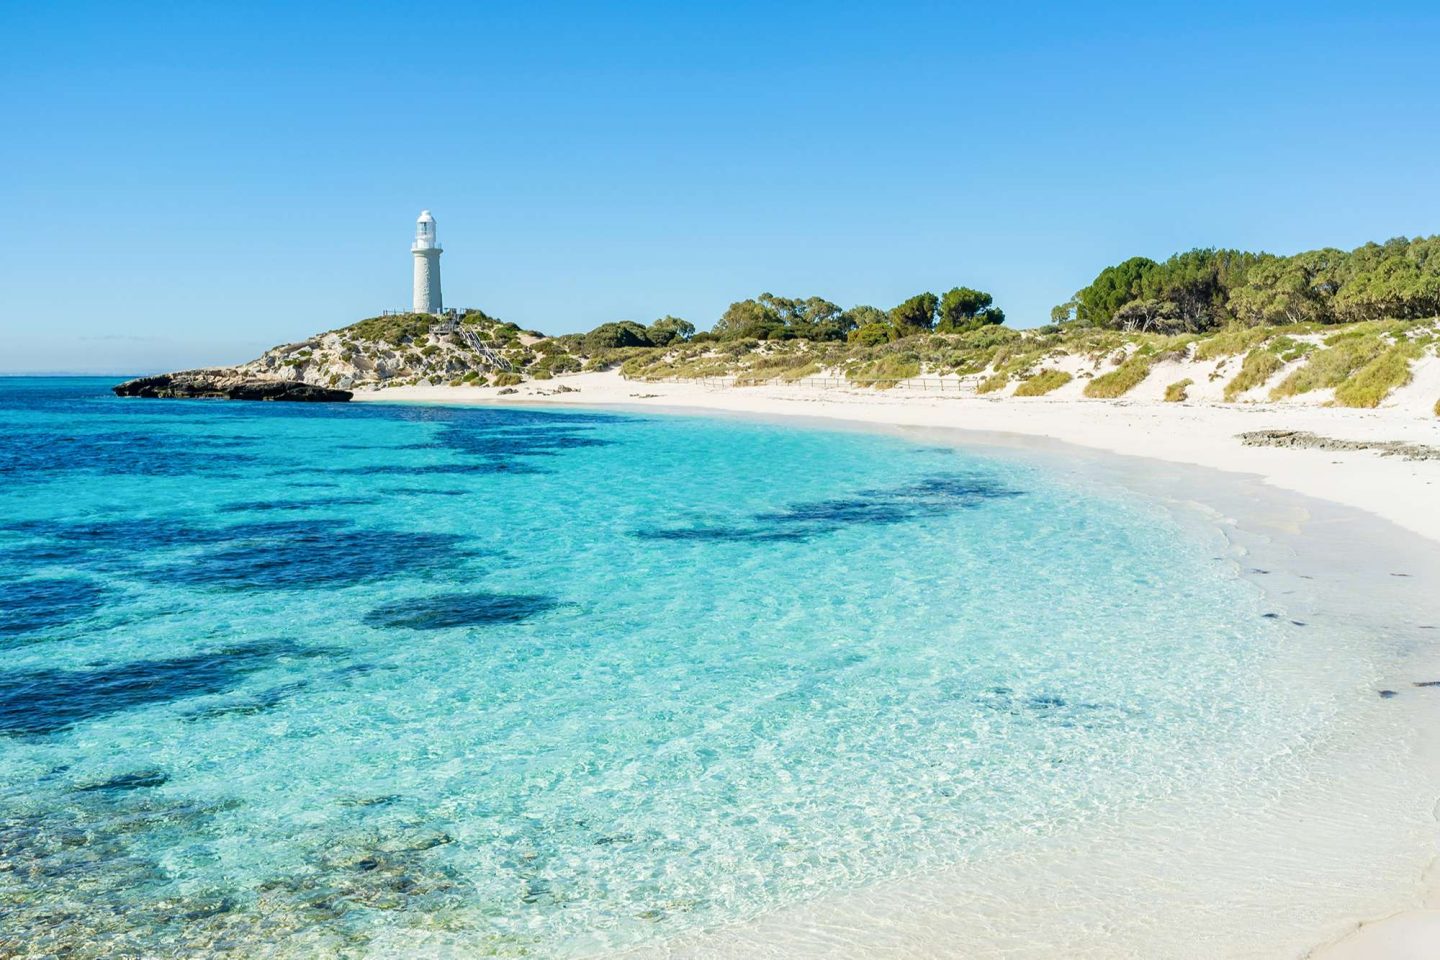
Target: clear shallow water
285 679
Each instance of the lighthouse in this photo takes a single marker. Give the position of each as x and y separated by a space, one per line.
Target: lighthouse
427 266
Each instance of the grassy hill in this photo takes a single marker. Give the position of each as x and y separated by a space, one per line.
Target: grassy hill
1357 365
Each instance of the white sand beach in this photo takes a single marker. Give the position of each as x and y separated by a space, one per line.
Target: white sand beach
1337 837
1201 433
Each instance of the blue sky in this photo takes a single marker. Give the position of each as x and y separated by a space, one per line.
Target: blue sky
190 183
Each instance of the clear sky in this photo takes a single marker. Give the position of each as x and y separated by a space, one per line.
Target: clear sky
190 183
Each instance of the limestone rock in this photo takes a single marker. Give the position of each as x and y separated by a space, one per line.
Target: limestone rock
227 384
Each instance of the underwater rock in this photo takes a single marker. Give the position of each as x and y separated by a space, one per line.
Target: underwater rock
459 610
137 780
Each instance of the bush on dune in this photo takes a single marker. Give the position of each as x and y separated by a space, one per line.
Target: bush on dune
1121 380
1259 366
886 371
1042 383
1178 391
1372 383
1228 343
1330 367
996 381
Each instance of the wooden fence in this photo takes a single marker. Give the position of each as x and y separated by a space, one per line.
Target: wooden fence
921 384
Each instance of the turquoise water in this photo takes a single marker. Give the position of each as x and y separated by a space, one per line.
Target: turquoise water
308 680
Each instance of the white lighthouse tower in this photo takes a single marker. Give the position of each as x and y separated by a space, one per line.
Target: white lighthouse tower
427 266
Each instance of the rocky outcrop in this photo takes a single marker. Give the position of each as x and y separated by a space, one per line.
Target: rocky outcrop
1305 440
227 384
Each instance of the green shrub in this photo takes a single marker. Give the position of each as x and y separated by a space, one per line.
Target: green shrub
610 359
1329 367
1259 366
1289 349
392 329
872 334
1121 380
609 336
798 373
1373 382
1042 383
1177 391
886 371
506 379
996 381
1229 342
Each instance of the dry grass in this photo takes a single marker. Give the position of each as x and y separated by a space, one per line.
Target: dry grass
1227 343
1121 380
1177 391
996 381
797 373
885 372
1372 383
1330 367
1042 383
1259 366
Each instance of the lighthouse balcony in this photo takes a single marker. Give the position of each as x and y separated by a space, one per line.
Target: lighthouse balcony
425 245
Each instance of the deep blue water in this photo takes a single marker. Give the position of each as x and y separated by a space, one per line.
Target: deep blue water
303 679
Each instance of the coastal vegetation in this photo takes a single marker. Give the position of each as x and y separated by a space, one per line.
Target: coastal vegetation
1122 379
1208 289
1222 325
1178 391
1258 367
1043 382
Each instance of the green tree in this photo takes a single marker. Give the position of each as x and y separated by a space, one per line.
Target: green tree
1146 314
770 317
860 315
748 318
1193 287
608 336
1298 289
1398 279
668 330
963 309
1198 283
1095 305
916 315
873 334
818 319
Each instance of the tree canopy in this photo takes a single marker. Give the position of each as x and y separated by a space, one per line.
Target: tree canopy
916 315
963 309
1204 289
668 330
772 317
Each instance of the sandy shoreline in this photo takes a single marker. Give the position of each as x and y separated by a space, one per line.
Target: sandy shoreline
1403 492
1400 491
